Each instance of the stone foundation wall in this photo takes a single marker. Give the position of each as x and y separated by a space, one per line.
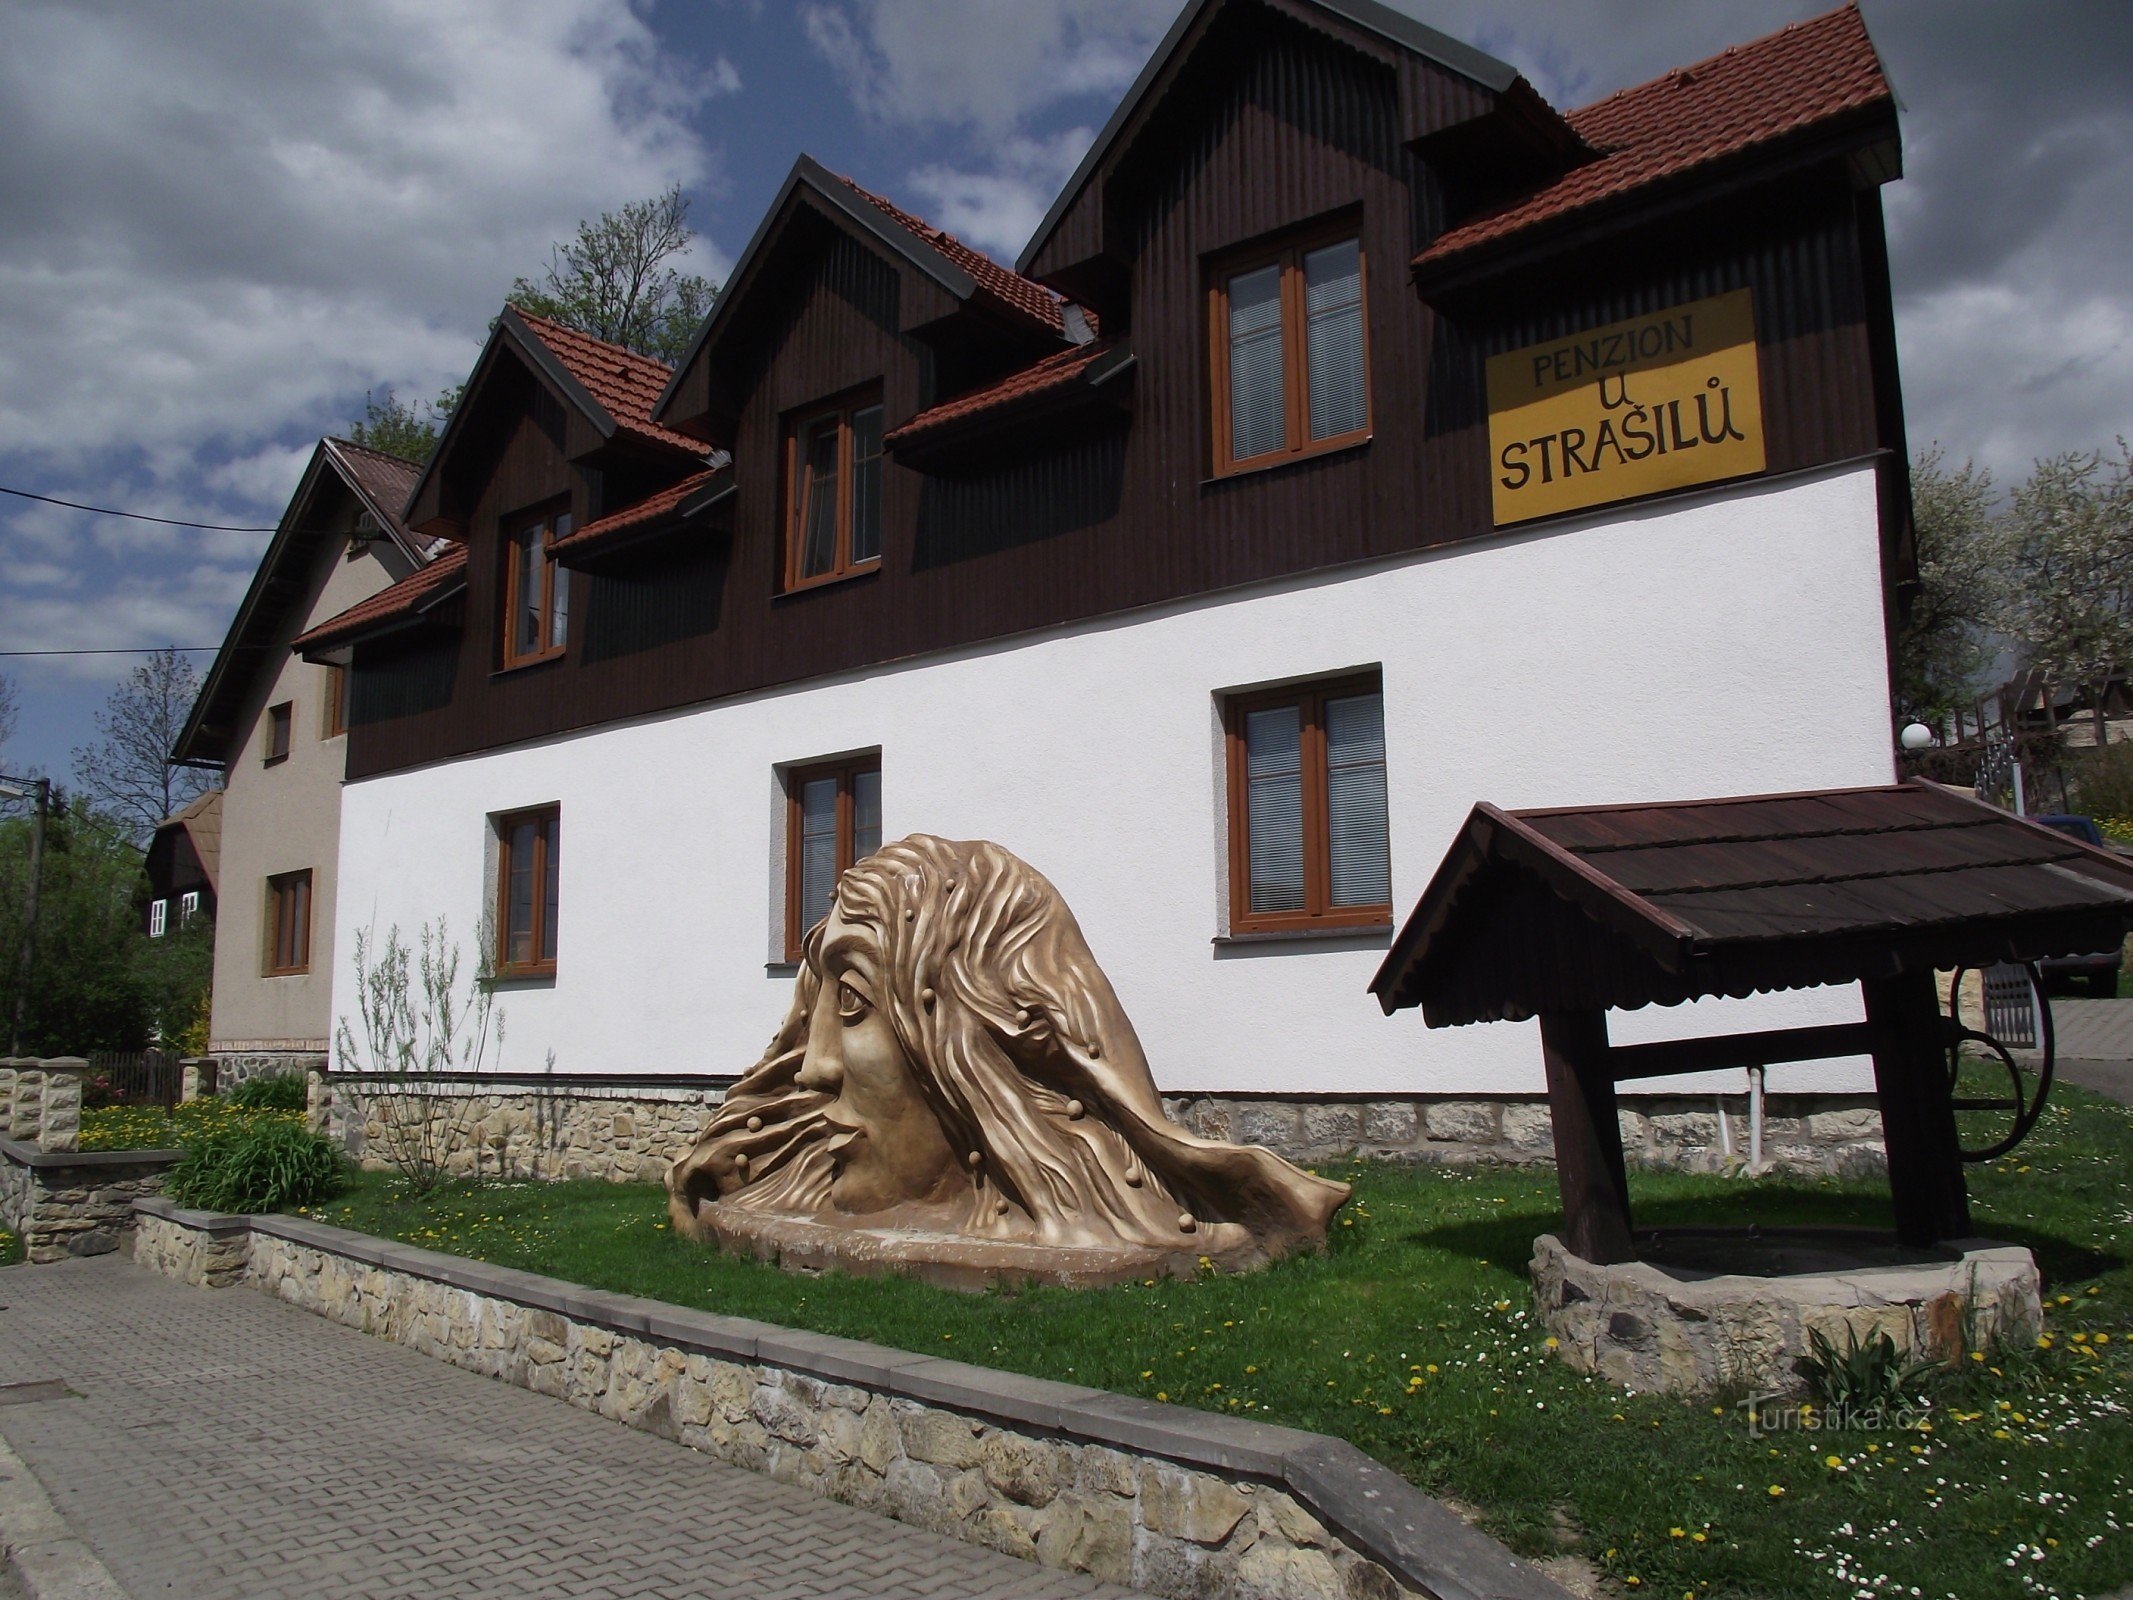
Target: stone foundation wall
1179 1502
1814 1135
235 1066
545 1128
525 1128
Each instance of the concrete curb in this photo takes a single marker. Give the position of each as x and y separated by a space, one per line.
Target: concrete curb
39 1547
1420 1541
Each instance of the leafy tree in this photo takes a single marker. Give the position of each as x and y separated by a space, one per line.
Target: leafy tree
87 990
128 773
612 280
2067 594
1942 647
398 428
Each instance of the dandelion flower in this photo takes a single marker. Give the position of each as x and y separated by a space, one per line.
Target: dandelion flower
1777 1491
1677 1533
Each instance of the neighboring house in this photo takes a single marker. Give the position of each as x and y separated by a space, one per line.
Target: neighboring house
183 858
1359 438
275 726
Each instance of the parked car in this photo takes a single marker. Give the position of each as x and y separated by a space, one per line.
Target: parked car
2100 970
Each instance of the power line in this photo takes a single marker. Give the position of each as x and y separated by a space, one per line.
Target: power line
139 516
125 650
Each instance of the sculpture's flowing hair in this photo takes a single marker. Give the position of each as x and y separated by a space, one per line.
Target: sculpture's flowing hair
1023 1052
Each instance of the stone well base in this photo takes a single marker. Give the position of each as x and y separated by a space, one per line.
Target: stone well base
1711 1309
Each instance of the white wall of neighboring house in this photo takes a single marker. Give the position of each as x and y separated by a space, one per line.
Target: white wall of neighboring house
1725 643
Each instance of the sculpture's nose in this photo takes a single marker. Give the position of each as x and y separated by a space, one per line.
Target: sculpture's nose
822 1065
819 1071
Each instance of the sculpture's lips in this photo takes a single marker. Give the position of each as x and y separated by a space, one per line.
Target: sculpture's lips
844 1136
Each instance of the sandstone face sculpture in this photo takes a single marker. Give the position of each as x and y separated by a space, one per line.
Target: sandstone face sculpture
956 1093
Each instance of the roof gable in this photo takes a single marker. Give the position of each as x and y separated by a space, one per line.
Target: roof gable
1364 22
608 390
1811 79
379 485
967 276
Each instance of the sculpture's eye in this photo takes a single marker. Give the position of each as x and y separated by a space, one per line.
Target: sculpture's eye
851 1004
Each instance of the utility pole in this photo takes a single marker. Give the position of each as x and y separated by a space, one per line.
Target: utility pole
14 789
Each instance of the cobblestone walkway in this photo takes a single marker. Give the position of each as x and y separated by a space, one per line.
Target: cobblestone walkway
2095 1044
219 1443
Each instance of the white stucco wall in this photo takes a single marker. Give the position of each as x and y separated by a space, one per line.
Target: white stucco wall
1730 643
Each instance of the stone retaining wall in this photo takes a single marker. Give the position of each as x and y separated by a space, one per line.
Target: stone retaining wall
75 1203
1176 1501
630 1130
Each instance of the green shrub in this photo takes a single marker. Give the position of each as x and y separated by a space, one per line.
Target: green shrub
260 1163
285 1091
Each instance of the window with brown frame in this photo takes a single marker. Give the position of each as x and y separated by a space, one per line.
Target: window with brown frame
1287 337
289 923
833 492
333 721
536 623
833 818
278 720
1308 837
528 852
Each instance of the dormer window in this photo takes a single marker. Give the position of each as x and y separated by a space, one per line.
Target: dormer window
536 590
1290 364
833 492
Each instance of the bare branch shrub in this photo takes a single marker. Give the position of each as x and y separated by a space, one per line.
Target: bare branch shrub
418 1032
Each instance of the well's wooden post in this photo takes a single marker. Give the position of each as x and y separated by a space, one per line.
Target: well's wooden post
1917 1109
1588 1137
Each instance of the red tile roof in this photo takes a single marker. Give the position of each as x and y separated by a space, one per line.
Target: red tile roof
625 384
1694 118
386 480
1023 296
1054 372
644 513
402 599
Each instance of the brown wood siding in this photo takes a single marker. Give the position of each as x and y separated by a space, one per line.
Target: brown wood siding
1073 526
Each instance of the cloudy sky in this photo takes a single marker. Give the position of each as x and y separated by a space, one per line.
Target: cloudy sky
222 221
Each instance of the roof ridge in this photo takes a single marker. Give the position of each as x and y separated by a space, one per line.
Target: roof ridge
1035 298
338 442
622 350
1686 73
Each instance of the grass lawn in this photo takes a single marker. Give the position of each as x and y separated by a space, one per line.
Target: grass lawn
1414 1337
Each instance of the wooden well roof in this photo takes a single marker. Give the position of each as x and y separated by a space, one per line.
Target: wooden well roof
1654 904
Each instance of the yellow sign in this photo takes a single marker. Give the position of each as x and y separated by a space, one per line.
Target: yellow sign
1658 402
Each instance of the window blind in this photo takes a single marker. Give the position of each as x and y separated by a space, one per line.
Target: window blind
1273 766
553 875
1333 309
866 484
518 904
1255 365
1361 866
817 492
866 814
559 598
818 849
529 593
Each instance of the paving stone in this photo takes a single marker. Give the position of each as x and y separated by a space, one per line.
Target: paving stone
226 1445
